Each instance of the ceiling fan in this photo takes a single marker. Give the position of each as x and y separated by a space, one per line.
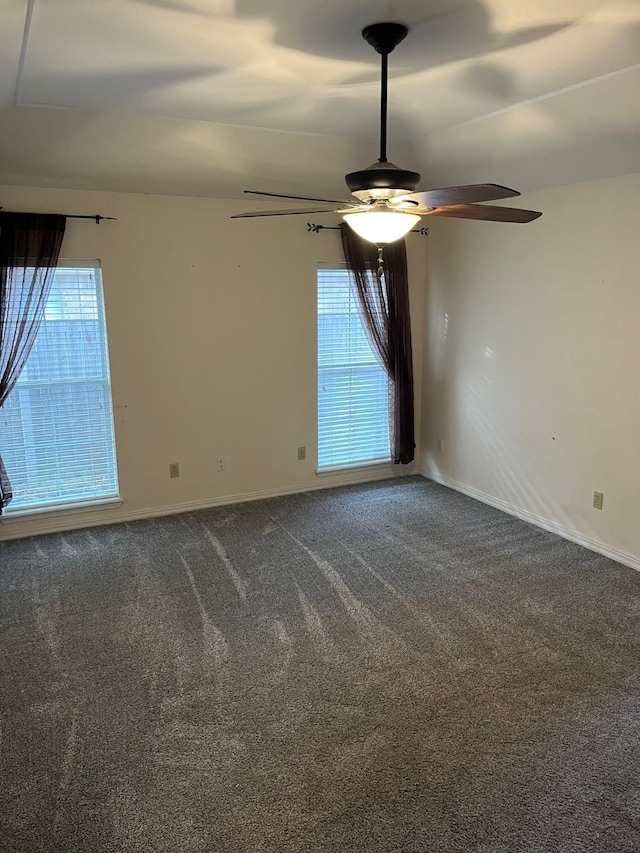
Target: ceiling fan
386 204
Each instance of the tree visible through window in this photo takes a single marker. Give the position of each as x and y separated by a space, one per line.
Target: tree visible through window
353 388
56 427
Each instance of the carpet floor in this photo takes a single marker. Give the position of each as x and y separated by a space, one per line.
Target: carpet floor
387 667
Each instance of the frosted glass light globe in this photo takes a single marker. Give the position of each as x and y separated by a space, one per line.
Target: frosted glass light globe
381 226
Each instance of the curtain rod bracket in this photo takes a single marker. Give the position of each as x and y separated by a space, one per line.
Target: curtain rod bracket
97 217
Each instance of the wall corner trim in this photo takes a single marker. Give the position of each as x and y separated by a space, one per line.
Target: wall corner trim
606 551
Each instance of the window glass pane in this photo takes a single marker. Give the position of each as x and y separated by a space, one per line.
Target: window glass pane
56 428
353 389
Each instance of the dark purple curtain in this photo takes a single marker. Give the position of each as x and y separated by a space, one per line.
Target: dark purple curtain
29 251
384 306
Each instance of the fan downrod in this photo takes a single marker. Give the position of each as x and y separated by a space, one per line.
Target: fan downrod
383 179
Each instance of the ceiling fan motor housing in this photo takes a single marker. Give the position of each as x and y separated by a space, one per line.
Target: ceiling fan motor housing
383 176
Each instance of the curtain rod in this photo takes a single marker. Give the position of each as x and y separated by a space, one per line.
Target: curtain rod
316 229
97 218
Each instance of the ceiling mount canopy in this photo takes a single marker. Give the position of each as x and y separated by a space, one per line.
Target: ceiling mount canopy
386 205
383 38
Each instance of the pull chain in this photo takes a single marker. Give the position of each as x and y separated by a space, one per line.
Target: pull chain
380 263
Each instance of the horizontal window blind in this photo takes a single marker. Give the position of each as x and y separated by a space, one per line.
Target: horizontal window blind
56 427
353 389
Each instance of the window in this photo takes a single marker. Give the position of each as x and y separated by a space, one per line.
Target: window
56 427
353 389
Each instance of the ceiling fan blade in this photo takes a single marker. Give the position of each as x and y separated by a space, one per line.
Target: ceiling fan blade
288 212
301 197
460 195
490 213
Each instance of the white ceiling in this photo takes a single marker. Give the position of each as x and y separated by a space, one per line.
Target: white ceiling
207 97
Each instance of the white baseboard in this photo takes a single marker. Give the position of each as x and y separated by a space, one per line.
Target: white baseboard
539 521
67 521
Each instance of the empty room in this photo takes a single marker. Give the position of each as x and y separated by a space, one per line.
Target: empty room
319 411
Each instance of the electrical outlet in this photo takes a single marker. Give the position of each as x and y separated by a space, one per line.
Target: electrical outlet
220 464
598 499
302 454
174 469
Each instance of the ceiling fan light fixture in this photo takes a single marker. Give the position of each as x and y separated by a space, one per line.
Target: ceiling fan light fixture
381 226
387 205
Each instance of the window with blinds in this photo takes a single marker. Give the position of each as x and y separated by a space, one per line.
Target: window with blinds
56 427
353 389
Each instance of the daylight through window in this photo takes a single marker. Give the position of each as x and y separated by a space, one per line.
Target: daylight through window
353 388
56 427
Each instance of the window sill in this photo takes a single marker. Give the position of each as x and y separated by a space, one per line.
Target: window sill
10 516
354 466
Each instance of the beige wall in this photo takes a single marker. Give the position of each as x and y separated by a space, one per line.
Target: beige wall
532 369
212 338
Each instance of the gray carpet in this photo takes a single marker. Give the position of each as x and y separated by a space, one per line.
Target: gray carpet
389 667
